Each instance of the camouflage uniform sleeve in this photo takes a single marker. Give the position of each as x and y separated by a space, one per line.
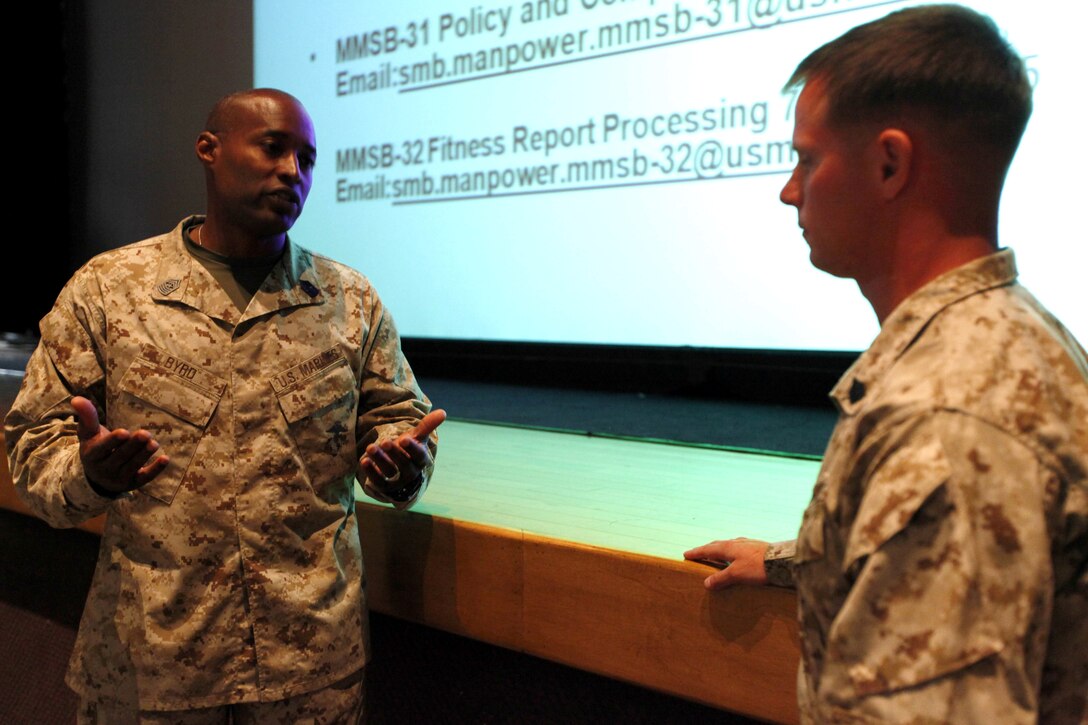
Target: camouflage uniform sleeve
1065 679
40 428
948 559
390 403
778 563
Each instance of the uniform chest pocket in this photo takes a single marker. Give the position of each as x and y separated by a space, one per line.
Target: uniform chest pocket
174 401
319 404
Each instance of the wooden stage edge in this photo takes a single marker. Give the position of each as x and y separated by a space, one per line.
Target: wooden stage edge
637 618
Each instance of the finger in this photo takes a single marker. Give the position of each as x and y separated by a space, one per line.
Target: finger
428 425
137 447
402 459
699 552
104 447
86 418
415 451
133 456
372 472
713 551
151 469
719 580
383 464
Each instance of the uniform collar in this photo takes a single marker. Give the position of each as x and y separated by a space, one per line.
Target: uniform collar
293 281
913 314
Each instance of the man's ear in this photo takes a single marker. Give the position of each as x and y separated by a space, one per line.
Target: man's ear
207 147
895 153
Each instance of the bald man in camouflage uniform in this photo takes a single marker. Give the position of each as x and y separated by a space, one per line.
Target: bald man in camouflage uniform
942 565
238 379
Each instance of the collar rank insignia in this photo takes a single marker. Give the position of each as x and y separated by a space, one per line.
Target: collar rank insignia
309 288
168 286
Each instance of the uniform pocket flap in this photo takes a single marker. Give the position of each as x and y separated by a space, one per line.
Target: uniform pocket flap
907 661
184 391
317 383
895 492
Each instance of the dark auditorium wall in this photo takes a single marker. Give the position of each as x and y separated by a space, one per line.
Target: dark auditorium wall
117 91
152 70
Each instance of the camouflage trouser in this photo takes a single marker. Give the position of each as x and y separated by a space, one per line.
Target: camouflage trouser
341 703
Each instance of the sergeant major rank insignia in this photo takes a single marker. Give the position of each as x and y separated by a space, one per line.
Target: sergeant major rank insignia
167 286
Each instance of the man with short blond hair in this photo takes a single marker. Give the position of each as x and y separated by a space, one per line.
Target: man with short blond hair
942 565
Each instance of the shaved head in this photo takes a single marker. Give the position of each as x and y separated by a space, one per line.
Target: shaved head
258 150
224 113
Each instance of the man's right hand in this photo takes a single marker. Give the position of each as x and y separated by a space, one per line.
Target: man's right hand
745 559
115 461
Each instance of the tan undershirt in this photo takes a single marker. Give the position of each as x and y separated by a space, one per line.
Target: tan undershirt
240 277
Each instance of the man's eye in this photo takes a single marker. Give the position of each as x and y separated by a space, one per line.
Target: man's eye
307 162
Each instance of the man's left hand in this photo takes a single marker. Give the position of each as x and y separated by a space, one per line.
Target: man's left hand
402 460
744 559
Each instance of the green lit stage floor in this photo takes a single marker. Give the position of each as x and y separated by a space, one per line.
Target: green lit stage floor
639 496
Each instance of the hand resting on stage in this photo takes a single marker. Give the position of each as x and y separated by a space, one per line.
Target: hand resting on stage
743 559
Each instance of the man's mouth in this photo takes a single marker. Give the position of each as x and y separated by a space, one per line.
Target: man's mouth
286 195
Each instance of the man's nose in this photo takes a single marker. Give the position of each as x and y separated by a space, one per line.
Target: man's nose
290 167
791 192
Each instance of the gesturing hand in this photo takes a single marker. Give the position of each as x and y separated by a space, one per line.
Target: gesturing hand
115 461
403 459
